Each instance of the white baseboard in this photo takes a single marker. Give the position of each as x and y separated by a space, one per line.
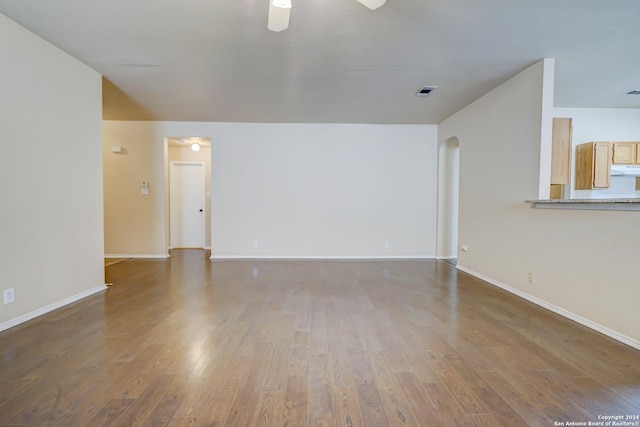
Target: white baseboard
137 256
558 310
318 257
446 257
39 312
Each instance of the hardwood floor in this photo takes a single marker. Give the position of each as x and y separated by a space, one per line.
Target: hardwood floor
111 261
193 342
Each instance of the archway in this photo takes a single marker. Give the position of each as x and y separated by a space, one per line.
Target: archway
448 189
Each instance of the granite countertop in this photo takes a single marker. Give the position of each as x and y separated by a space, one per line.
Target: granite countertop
613 204
586 201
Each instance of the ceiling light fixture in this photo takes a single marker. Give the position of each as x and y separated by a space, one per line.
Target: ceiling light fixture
195 146
279 11
372 4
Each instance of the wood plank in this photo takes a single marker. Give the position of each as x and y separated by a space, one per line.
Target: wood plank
13 388
347 407
500 409
183 422
340 365
420 403
588 395
393 355
248 394
110 413
318 329
531 409
142 407
446 405
296 396
417 358
165 410
277 371
269 409
393 398
192 397
483 420
371 406
321 411
522 387
213 408
457 386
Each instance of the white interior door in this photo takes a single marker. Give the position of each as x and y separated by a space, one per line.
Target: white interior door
187 204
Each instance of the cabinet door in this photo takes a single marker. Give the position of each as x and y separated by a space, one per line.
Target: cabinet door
584 166
624 153
601 165
561 151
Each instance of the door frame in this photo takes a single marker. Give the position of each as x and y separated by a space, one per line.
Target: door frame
448 198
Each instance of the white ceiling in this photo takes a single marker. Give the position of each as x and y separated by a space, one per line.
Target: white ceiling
339 62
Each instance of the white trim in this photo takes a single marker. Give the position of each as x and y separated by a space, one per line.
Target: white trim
446 257
196 248
136 256
44 310
319 257
558 310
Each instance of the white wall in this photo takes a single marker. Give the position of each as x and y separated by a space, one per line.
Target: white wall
583 261
134 224
51 243
303 190
602 124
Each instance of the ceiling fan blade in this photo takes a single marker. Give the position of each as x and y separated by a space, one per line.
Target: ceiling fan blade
278 19
372 4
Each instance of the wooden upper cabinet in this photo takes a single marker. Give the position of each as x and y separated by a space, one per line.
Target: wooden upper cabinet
602 165
593 165
561 151
624 153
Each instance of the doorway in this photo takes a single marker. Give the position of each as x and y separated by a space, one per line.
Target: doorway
187 204
448 196
188 150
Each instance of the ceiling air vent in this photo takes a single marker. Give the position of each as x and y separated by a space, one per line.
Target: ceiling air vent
426 90
634 92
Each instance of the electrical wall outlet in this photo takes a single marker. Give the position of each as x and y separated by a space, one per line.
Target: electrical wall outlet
532 278
387 245
255 244
9 296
